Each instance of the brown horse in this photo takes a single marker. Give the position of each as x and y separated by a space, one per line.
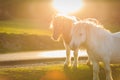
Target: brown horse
62 26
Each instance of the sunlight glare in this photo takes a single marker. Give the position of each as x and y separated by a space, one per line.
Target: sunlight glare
67 6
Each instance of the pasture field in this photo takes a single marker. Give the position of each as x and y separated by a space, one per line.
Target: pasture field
84 72
25 36
27 27
37 73
17 27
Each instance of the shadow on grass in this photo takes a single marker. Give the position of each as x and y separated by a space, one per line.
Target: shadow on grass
83 72
56 72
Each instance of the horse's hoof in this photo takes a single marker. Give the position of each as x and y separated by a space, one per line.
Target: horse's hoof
75 66
88 63
66 66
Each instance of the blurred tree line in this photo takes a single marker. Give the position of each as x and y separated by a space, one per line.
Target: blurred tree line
107 12
26 42
10 9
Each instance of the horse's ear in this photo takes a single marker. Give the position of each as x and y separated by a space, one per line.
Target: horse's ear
51 23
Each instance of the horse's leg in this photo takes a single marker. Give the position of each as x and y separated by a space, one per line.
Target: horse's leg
95 70
89 60
68 57
108 70
75 64
95 65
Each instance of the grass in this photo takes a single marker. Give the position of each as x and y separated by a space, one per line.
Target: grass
40 72
24 31
55 72
17 27
48 72
25 36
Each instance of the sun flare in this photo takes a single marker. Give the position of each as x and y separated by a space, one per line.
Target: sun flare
67 6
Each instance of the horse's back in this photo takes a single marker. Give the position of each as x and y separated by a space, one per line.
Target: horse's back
117 34
116 48
116 42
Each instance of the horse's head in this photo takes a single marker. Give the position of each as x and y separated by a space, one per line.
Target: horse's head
57 26
62 24
78 35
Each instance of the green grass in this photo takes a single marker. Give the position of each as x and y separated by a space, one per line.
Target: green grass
39 72
31 73
23 27
26 36
24 31
50 72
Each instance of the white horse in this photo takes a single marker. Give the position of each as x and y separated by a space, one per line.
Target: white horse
101 45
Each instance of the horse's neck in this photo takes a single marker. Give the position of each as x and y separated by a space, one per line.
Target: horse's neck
96 37
67 30
66 33
116 35
66 36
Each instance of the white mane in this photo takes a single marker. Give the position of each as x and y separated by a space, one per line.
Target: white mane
92 24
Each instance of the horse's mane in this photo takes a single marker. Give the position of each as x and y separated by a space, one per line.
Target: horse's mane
94 23
73 18
92 20
58 16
